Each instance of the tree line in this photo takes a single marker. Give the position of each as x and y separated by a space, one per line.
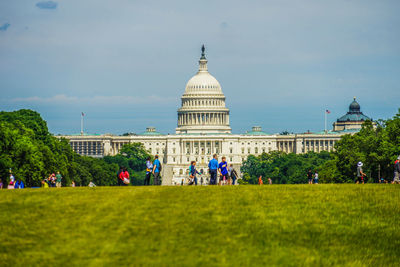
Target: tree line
32 153
377 147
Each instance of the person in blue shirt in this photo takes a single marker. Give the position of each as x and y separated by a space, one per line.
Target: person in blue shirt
193 172
156 171
19 184
213 167
223 170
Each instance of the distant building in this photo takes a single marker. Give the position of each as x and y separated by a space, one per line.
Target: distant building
352 120
203 129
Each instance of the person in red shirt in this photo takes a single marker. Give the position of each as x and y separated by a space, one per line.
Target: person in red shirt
124 176
260 181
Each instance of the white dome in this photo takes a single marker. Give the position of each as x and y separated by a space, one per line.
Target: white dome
203 83
203 107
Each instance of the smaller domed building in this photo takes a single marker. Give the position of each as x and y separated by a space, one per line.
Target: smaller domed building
352 120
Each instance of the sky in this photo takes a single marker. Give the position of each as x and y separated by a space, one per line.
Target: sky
125 64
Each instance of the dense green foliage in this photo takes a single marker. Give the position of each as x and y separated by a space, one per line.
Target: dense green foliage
377 147
133 157
288 225
32 153
282 168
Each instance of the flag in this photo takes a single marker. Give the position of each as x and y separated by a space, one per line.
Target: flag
327 112
83 114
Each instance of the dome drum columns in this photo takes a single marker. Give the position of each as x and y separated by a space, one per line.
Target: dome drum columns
203 118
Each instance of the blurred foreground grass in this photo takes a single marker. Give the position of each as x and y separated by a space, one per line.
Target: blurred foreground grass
290 225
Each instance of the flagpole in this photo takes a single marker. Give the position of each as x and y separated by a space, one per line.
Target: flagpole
325 121
82 123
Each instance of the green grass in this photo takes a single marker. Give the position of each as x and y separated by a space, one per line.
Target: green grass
291 225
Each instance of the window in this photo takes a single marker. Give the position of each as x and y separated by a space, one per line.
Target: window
242 150
263 150
180 171
248 150
187 159
231 150
230 159
174 150
256 150
157 144
173 159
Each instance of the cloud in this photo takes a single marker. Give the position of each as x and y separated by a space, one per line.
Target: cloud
47 5
95 100
4 27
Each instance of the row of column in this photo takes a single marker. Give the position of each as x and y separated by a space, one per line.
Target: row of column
285 146
197 103
317 146
203 118
202 147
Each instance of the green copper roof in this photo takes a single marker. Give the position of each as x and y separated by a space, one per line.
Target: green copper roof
151 131
354 113
256 130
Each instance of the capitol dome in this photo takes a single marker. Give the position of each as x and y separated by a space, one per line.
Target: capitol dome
203 107
203 83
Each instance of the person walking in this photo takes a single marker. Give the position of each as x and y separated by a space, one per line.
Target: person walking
58 179
396 178
149 168
360 173
260 181
223 170
192 173
270 180
232 174
213 168
156 171
309 176
124 176
316 177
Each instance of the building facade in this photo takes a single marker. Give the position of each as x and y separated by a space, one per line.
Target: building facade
203 129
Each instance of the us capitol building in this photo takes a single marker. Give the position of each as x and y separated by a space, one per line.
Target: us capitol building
203 129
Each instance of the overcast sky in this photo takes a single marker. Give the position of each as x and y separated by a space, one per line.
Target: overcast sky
125 63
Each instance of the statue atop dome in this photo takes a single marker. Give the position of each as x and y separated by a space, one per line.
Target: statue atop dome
203 49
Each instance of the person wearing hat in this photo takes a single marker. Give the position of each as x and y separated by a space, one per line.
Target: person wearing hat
360 173
397 171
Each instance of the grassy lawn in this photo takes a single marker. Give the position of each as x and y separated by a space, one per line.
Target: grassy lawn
291 225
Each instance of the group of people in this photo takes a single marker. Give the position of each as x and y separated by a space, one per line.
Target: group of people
227 175
260 180
14 183
153 168
53 180
312 177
